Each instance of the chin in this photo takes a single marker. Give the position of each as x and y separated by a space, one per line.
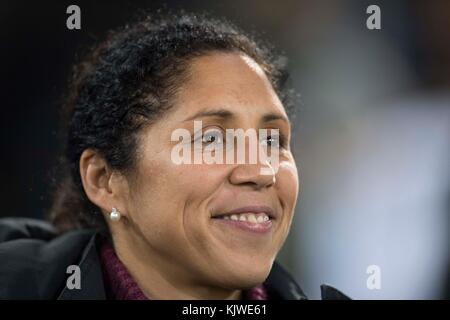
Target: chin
245 275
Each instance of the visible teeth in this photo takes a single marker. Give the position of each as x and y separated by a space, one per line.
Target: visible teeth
247 217
252 218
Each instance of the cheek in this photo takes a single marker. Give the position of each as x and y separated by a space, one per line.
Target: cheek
199 183
171 201
287 190
157 197
288 184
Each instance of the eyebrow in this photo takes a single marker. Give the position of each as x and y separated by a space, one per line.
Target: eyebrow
271 116
226 114
219 113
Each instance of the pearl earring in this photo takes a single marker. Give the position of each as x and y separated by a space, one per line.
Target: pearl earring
114 215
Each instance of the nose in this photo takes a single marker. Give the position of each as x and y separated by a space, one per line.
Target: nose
257 176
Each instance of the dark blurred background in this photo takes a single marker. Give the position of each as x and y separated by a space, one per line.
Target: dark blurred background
372 137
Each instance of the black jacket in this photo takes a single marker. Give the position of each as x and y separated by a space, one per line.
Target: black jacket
34 261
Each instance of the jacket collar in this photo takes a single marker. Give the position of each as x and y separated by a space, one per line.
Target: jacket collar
92 286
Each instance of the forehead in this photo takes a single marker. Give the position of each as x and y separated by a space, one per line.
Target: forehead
228 80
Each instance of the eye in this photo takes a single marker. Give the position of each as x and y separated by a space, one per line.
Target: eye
275 141
272 140
212 136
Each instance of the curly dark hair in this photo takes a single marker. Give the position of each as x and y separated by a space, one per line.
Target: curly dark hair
128 81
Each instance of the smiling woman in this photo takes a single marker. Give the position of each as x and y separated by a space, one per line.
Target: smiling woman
139 225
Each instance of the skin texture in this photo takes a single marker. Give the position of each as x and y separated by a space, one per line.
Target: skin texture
166 237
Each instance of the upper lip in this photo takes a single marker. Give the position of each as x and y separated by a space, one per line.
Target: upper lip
251 209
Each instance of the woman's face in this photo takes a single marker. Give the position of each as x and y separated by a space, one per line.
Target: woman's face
180 212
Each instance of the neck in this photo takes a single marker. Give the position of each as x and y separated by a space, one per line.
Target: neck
161 279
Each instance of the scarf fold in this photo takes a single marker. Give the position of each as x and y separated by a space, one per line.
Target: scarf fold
120 285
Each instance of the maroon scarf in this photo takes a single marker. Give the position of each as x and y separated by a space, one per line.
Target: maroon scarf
120 285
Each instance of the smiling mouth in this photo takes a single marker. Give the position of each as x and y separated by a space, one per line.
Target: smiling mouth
253 218
245 217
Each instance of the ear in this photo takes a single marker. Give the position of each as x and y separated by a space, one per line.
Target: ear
103 186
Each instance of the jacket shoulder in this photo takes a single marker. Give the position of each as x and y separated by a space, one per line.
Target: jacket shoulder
35 258
330 293
19 228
